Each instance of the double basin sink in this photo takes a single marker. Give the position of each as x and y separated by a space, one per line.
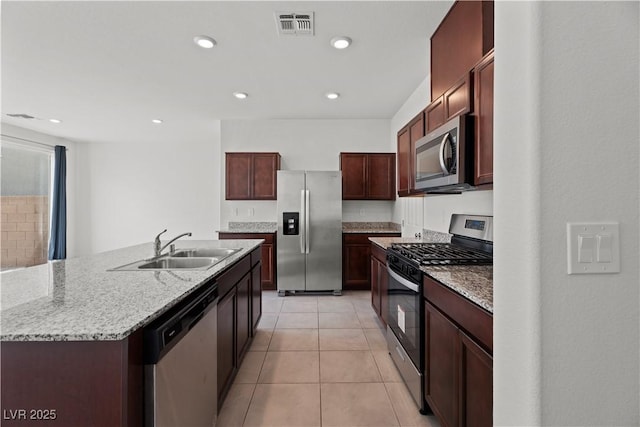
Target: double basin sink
181 259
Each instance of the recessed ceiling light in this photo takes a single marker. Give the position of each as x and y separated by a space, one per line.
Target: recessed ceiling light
340 42
240 95
205 42
156 121
55 121
332 95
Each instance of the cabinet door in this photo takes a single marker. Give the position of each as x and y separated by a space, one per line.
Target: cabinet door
457 99
375 285
383 283
268 266
256 298
356 266
265 166
476 384
483 111
381 176
226 347
404 161
243 317
416 131
354 176
441 378
434 114
238 176
458 43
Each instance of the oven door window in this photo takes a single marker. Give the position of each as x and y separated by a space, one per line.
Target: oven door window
404 318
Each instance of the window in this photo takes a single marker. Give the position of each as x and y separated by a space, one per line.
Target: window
25 189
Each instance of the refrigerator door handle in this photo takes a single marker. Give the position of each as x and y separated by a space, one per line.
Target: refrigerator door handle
307 234
302 227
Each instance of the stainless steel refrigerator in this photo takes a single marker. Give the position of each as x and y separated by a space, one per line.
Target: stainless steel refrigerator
309 240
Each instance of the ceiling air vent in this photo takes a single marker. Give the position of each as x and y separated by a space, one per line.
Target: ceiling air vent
295 24
21 116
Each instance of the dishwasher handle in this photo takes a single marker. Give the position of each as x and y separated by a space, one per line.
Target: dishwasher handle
166 331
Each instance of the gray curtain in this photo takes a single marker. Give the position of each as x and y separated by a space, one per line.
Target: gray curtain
58 240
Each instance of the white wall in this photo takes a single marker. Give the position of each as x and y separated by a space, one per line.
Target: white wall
304 145
566 348
72 213
129 192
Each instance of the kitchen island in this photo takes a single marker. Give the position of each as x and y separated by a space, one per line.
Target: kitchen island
72 332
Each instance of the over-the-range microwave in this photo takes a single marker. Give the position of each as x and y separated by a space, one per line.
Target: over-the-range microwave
444 158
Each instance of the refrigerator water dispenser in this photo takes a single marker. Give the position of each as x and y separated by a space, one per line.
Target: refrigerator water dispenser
290 223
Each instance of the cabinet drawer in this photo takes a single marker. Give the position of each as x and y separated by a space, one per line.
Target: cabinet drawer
228 279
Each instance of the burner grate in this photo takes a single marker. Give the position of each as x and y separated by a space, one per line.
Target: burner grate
442 254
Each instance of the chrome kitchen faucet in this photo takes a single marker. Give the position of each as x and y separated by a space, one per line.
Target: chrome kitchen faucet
157 244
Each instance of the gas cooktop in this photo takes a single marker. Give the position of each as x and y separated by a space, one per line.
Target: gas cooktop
442 254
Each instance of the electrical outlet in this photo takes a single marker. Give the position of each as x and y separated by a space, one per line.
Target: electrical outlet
593 248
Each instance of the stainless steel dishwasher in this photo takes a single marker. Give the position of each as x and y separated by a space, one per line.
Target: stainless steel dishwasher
180 353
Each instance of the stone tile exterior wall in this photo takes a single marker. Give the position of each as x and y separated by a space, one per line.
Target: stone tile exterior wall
25 230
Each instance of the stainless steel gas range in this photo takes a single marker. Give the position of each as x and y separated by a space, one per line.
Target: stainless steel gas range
471 244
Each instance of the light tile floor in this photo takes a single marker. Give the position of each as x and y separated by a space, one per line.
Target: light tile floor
319 361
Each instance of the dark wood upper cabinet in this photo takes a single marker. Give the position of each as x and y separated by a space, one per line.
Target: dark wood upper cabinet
483 112
354 175
251 176
454 102
368 176
407 138
464 36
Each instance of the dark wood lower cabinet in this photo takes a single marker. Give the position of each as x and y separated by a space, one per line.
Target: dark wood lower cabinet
476 385
256 297
441 341
356 259
239 309
379 282
73 383
226 343
459 367
268 255
243 317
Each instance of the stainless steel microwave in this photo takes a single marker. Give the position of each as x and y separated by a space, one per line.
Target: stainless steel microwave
444 158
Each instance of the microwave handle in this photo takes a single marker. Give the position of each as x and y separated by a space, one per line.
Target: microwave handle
443 144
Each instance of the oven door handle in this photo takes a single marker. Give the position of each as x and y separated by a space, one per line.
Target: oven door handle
404 282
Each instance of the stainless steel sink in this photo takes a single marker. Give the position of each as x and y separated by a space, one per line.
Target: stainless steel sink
181 259
179 263
204 252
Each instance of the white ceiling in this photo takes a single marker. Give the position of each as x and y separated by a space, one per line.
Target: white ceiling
107 68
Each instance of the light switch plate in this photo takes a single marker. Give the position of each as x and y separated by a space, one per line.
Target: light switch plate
593 247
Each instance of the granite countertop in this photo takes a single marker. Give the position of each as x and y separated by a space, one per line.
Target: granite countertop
428 237
473 282
347 227
370 227
79 300
251 227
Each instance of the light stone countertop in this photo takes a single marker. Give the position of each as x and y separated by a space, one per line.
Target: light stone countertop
370 227
251 227
474 282
79 300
